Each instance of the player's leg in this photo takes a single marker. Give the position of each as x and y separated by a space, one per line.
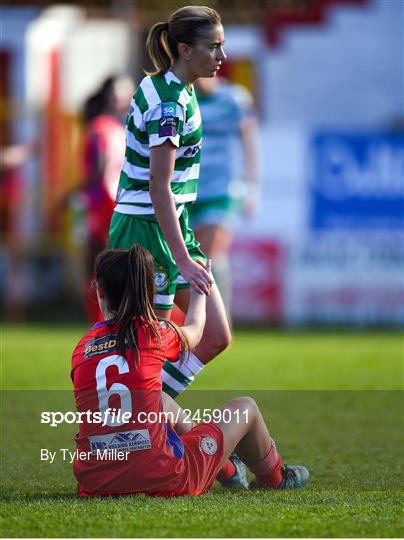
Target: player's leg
213 221
181 422
240 427
177 376
216 335
248 435
232 473
215 243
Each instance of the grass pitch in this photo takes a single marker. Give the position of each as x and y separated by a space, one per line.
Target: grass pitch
332 401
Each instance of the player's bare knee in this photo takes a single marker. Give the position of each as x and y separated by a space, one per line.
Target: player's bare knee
227 338
249 408
213 344
217 344
245 408
222 341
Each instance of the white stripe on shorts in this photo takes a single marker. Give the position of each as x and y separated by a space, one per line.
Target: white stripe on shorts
133 210
164 299
181 280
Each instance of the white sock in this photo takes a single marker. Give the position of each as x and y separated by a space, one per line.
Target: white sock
177 376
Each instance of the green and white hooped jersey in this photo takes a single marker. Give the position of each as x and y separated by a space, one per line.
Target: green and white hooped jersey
162 108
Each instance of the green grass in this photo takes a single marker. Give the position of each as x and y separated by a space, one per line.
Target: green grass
332 401
38 357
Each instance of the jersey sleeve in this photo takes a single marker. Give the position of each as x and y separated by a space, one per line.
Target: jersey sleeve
170 341
164 122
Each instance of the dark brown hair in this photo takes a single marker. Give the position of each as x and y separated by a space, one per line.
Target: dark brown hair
186 25
126 277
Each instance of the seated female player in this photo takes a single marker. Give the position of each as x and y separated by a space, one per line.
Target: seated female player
116 372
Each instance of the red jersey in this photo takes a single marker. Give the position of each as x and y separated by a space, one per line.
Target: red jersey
104 150
104 379
105 143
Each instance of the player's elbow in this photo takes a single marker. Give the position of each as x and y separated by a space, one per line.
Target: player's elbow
156 188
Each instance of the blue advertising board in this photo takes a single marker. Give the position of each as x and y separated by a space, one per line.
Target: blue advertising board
357 182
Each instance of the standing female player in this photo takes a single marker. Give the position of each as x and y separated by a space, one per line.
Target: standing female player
116 372
160 175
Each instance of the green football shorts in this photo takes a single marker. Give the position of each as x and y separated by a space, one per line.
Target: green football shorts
126 230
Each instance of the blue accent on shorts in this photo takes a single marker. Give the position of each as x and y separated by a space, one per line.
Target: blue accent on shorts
175 442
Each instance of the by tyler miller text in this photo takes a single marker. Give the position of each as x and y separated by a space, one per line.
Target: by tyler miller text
65 454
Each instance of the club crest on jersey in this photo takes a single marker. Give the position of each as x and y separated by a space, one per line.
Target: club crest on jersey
161 281
209 446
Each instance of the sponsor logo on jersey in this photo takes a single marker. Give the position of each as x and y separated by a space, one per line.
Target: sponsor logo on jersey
104 344
192 150
168 109
209 446
128 441
168 126
161 281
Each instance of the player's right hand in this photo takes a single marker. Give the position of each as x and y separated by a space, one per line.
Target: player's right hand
197 276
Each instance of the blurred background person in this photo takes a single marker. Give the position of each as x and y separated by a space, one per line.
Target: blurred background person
16 155
104 148
229 183
13 157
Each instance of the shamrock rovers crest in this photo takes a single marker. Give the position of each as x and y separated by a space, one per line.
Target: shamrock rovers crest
161 281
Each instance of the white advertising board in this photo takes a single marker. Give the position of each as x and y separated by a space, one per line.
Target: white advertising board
347 278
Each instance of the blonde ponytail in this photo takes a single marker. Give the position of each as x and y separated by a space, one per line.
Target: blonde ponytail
157 48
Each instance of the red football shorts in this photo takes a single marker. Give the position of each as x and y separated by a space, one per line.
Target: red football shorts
193 475
204 454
